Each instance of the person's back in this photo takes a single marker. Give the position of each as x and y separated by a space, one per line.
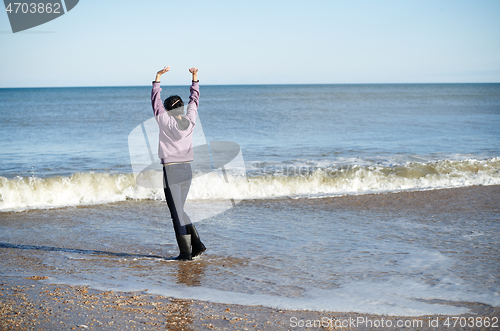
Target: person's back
175 140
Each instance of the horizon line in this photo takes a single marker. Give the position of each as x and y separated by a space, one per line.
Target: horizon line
282 84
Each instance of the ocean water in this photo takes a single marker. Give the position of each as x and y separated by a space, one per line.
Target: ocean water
69 193
296 140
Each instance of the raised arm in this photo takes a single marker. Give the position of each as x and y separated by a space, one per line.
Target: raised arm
155 93
161 72
194 96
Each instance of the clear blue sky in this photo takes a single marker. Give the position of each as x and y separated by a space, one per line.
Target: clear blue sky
115 43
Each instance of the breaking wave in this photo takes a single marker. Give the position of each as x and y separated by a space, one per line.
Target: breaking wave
23 193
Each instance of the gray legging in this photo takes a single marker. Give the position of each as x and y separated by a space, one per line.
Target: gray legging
176 182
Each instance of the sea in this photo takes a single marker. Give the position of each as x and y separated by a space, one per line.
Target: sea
81 198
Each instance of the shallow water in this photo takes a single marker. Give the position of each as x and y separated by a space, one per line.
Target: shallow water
296 254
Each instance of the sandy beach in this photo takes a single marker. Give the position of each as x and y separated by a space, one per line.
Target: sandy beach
27 304
29 301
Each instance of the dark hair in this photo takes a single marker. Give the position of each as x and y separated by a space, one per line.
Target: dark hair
172 102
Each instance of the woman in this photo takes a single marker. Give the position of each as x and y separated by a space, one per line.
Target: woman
176 151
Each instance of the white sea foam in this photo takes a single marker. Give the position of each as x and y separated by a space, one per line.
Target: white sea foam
397 297
267 182
78 189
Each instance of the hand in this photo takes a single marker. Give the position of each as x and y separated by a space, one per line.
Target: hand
164 70
194 71
161 72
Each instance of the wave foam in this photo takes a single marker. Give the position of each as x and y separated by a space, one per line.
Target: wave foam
78 189
96 188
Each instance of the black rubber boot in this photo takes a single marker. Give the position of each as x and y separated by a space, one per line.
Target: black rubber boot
198 246
184 242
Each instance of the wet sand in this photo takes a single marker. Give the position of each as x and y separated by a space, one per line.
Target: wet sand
453 200
29 304
33 303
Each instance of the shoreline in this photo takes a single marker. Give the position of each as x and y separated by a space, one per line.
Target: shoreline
32 303
451 199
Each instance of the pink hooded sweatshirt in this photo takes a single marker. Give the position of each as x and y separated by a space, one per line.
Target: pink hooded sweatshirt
175 145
